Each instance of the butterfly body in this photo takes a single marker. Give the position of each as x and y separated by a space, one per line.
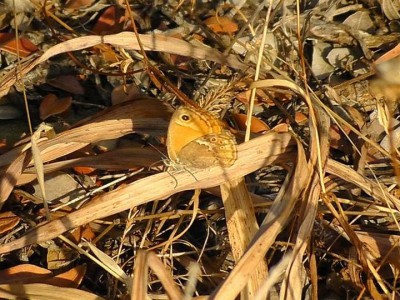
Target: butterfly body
198 139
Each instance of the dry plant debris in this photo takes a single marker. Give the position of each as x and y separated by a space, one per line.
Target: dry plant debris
311 206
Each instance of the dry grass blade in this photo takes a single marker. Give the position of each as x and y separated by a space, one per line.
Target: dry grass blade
173 237
367 185
110 263
38 163
10 176
251 156
146 114
103 260
276 219
141 115
242 227
319 150
362 254
294 277
165 277
274 277
139 285
126 40
118 159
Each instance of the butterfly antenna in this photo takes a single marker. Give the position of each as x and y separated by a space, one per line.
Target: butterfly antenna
176 181
163 160
187 170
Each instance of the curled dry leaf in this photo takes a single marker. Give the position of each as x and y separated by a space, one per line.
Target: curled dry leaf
252 155
43 291
25 273
8 221
78 4
82 232
260 98
124 93
68 83
8 43
110 21
129 41
84 170
391 9
281 128
143 115
257 126
60 257
221 24
52 105
300 118
382 245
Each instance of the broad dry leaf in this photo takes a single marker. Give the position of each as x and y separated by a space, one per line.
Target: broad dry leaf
251 156
221 24
144 115
118 159
24 273
68 83
43 291
8 43
78 4
109 263
128 41
111 21
257 125
51 105
277 217
59 257
381 246
8 220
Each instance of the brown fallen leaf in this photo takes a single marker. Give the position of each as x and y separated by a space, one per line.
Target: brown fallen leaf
43 291
110 21
24 273
68 83
8 221
257 125
8 43
78 4
52 105
221 24
251 156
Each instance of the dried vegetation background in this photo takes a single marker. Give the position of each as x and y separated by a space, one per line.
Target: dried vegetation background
310 208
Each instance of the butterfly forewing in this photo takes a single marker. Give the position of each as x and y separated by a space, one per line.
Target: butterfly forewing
198 139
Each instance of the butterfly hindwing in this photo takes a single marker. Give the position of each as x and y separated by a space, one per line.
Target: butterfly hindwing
209 150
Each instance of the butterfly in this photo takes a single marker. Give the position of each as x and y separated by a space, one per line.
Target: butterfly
197 139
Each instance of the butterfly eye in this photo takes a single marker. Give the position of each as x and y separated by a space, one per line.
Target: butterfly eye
185 117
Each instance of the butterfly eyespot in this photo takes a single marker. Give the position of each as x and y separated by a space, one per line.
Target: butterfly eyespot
213 139
185 117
